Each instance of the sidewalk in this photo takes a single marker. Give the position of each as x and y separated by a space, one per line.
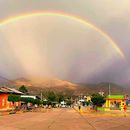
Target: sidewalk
85 111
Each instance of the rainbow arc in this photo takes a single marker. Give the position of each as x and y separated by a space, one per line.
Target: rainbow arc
68 16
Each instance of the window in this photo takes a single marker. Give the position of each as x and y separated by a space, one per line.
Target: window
3 102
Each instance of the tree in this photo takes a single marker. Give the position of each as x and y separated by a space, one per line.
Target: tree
87 103
27 100
37 101
60 97
97 100
23 89
51 96
68 102
45 102
13 98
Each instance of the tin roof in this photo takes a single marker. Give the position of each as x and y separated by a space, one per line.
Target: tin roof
9 90
29 96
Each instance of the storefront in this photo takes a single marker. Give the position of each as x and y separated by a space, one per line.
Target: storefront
115 102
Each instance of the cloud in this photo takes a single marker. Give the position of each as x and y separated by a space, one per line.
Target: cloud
55 45
79 51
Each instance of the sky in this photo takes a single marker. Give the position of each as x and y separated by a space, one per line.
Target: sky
52 46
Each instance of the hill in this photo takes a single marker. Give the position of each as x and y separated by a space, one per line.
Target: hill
5 82
114 88
36 86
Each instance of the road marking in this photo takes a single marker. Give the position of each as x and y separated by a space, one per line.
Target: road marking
52 123
85 119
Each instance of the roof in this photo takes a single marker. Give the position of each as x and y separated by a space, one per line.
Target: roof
9 90
29 96
115 97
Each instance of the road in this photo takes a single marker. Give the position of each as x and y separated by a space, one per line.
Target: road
62 119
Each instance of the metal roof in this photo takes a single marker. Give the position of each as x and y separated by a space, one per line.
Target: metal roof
10 90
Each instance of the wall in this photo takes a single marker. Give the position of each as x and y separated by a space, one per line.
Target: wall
4 104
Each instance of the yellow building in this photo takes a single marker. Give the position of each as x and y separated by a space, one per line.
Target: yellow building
115 102
87 98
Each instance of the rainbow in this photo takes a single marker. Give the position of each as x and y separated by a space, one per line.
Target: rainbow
71 17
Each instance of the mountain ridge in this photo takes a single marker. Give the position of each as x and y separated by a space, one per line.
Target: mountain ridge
35 87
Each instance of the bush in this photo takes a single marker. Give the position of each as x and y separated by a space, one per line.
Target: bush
97 100
68 102
87 103
30 100
13 98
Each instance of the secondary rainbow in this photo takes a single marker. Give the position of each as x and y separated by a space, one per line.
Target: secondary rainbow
71 17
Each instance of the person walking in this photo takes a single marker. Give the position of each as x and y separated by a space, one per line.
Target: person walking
79 108
125 108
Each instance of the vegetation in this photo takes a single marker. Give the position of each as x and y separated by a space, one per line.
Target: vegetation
16 98
88 103
23 89
68 102
13 98
97 100
60 97
54 98
44 102
51 96
27 100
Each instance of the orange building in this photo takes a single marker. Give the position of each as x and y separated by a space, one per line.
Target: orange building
4 93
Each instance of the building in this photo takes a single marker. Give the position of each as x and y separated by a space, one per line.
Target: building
115 102
101 93
4 93
63 104
87 98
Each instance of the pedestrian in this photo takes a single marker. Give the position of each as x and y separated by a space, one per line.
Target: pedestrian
79 107
125 108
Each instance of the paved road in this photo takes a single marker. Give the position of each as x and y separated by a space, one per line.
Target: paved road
62 119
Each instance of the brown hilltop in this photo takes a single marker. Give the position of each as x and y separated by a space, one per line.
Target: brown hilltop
35 86
45 83
22 81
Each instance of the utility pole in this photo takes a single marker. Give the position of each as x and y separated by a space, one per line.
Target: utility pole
109 89
41 95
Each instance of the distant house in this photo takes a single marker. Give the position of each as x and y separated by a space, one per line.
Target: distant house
63 104
4 93
101 93
87 98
